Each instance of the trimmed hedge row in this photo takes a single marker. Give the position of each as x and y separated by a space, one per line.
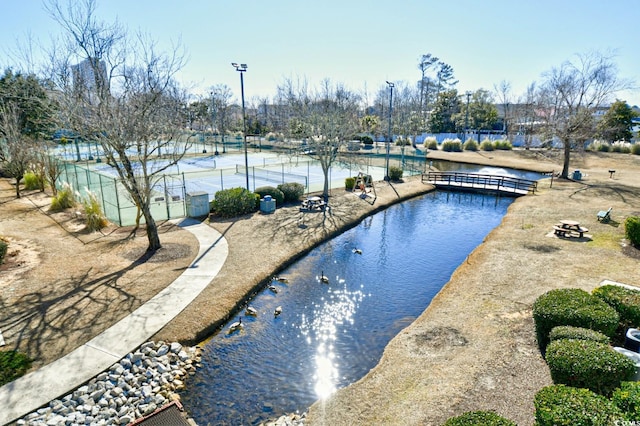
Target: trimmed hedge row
627 399
559 405
4 247
275 193
587 364
292 191
625 301
573 307
13 364
234 202
578 333
479 418
632 230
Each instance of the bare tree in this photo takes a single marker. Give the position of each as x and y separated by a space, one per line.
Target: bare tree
121 93
16 149
503 92
569 95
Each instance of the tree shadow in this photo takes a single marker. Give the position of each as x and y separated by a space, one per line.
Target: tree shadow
51 322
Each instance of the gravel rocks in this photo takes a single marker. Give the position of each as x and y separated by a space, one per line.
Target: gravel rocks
134 387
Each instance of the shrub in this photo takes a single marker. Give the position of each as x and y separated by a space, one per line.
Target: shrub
603 147
572 307
587 364
275 193
402 142
577 333
559 405
367 140
96 219
621 147
632 230
234 202
624 300
487 145
503 144
627 399
4 247
431 143
64 199
452 145
635 148
292 191
470 145
395 173
479 418
349 183
13 364
33 181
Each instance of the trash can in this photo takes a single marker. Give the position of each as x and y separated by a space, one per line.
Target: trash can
577 175
267 204
632 340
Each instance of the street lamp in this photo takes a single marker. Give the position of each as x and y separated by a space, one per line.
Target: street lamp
466 119
213 123
391 86
241 68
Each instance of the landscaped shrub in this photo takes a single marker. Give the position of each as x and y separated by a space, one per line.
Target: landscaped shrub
625 301
33 181
470 145
587 364
603 147
234 202
559 405
627 399
13 364
292 191
571 306
578 333
503 145
431 143
95 217
402 142
4 247
621 147
479 418
452 145
395 173
632 230
64 199
349 183
487 145
367 140
275 193
635 148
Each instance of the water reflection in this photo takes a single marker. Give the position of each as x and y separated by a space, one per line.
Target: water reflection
330 335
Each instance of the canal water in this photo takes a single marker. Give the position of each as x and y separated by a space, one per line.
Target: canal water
331 334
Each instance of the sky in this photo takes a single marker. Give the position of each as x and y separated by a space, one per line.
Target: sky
361 44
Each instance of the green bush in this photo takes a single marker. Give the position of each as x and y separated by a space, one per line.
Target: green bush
349 183
234 202
603 147
559 405
395 173
33 181
13 364
292 191
577 333
64 199
4 247
366 139
487 145
503 145
632 230
621 147
479 418
452 145
627 399
635 148
275 193
625 301
470 145
431 143
574 307
587 364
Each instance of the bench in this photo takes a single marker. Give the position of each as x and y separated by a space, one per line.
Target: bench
567 232
604 215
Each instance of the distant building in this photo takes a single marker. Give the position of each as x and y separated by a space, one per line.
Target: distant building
85 80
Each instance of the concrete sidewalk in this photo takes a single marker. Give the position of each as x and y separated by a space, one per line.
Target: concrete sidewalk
30 392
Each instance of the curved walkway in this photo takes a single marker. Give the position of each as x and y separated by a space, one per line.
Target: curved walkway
30 392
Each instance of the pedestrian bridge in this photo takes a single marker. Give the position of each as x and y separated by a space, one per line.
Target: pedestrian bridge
464 181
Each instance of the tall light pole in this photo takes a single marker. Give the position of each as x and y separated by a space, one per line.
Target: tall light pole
213 123
466 119
391 86
241 68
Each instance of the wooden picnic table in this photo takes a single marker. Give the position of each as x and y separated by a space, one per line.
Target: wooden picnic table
568 227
